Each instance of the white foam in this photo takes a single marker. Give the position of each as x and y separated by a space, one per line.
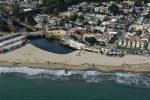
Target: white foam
133 78
30 71
89 76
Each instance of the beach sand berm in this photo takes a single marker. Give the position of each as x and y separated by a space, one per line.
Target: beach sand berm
31 56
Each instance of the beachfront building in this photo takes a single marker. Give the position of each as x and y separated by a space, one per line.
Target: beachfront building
56 34
105 38
105 50
148 46
133 42
124 41
41 20
7 37
73 44
11 42
120 42
129 44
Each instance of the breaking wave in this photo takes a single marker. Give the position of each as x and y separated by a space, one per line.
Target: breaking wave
139 79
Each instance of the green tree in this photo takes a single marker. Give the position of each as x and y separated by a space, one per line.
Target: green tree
73 17
3 26
114 9
55 11
13 28
30 20
16 9
139 32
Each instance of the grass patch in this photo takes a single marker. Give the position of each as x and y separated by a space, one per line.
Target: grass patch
127 49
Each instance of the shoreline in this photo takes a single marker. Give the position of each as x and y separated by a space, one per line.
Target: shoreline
34 57
140 68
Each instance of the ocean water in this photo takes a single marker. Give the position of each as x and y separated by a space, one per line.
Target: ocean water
42 84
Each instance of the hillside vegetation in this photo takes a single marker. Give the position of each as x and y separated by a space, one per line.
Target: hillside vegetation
54 6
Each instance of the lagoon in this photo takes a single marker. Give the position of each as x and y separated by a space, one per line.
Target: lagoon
50 45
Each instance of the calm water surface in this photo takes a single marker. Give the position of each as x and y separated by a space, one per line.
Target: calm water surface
51 46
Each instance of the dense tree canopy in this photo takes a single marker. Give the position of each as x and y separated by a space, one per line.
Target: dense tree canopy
3 26
61 5
73 17
16 9
30 20
4 10
114 9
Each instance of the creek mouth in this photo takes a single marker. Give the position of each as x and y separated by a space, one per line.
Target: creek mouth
50 45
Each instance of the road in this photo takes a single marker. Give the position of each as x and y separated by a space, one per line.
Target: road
38 33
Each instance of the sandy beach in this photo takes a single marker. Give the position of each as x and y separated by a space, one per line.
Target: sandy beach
31 56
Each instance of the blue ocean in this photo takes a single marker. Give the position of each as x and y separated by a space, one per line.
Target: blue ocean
43 84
